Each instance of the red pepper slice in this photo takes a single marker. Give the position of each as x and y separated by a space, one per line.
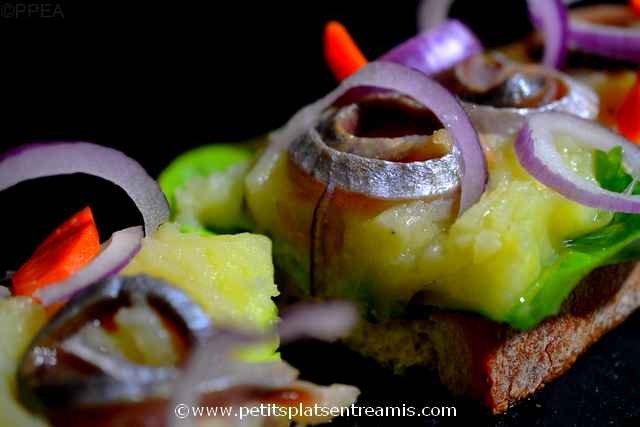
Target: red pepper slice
68 249
341 52
635 6
628 117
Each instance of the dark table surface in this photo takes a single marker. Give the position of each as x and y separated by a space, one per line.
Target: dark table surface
156 79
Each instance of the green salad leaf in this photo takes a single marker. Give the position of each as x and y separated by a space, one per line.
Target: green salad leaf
196 230
616 242
205 187
201 161
610 173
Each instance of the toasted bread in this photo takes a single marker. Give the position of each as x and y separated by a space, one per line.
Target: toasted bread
494 363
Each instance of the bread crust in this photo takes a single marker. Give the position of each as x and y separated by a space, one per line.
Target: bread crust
496 364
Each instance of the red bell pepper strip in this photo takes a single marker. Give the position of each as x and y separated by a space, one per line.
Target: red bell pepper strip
68 249
341 52
635 6
628 117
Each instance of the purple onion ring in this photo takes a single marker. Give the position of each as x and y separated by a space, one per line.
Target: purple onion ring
550 17
436 50
62 158
116 253
537 152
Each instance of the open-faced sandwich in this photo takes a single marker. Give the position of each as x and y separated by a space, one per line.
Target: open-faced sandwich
154 323
480 208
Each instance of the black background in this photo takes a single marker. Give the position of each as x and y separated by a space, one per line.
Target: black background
156 79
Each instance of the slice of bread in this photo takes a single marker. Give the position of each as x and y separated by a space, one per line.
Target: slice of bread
494 363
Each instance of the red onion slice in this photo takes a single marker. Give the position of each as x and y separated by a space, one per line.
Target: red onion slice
436 50
622 43
328 321
62 158
538 154
213 368
432 12
398 78
114 256
550 17
4 292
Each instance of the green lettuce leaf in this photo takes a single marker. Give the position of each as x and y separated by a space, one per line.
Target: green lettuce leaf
205 187
200 161
615 243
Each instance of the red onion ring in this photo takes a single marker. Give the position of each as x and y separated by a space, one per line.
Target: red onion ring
327 321
389 76
538 154
4 292
550 17
605 40
436 50
215 363
62 158
432 12
116 253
